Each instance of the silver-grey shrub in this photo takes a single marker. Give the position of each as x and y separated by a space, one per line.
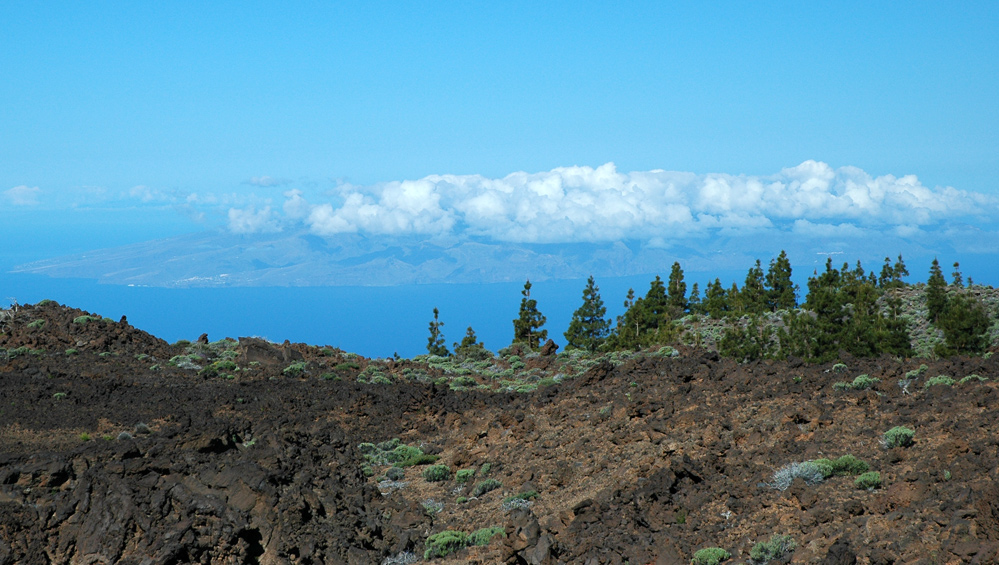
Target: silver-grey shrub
807 471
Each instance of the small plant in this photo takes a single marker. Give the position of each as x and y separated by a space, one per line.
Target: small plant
395 474
461 500
294 370
484 535
432 507
464 475
808 471
527 495
484 470
71 351
945 380
437 473
485 486
84 437
710 556
444 543
124 436
775 548
83 320
59 396
899 436
868 481
973 377
839 368
347 366
143 429
848 465
862 382
37 324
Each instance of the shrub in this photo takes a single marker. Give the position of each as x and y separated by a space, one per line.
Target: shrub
710 556
37 324
124 436
464 475
484 470
71 351
82 320
395 474
462 382
142 428
825 466
807 471
437 473
59 395
84 437
527 495
294 370
868 481
347 366
431 506
775 548
862 382
944 380
444 543
973 377
484 536
485 486
916 373
839 368
849 465
899 436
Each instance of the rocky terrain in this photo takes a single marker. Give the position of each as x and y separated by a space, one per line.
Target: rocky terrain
117 447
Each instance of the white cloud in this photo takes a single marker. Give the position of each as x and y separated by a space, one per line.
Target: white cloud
266 181
23 195
250 220
603 204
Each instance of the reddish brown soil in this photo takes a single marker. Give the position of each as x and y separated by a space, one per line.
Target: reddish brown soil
641 462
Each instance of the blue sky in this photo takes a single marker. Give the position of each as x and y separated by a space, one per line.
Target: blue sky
125 121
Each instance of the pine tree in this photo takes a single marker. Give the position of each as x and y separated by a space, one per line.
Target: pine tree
676 292
435 343
965 324
694 302
936 292
958 280
715 300
781 292
753 296
887 274
899 272
588 329
527 327
471 348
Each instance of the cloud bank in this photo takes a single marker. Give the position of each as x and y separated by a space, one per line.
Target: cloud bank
22 195
585 204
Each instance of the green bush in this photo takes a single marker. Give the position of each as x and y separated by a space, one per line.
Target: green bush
527 495
848 465
868 481
82 320
839 368
37 324
945 380
444 543
484 536
776 548
437 473
899 436
825 466
294 370
464 475
395 474
973 377
710 556
347 366
862 382
485 486
71 351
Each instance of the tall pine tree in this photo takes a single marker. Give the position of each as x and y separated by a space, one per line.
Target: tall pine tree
782 294
527 326
936 292
676 292
588 329
435 343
